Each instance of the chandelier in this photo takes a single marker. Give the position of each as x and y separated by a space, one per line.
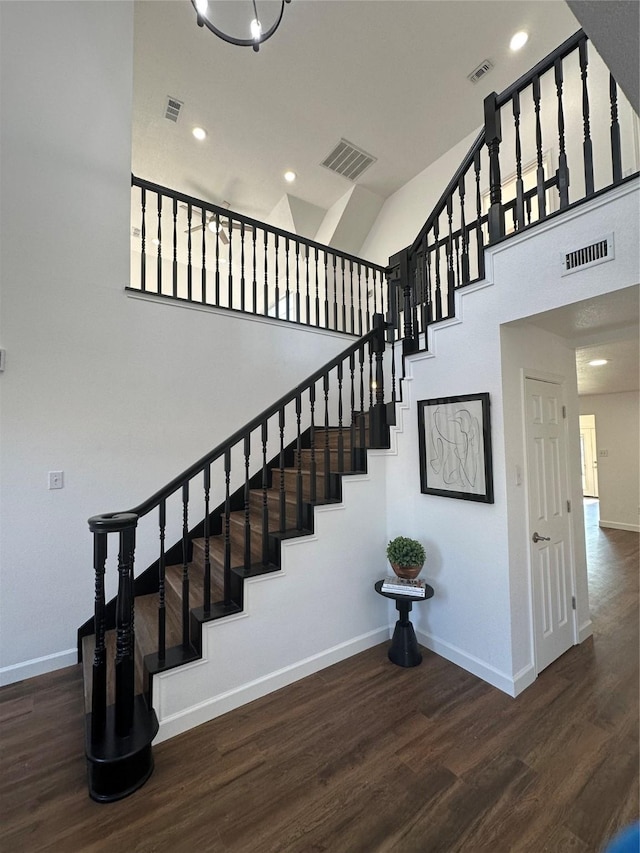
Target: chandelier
206 15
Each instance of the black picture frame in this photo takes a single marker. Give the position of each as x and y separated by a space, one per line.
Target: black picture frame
455 447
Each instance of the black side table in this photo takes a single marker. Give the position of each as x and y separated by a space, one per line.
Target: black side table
403 650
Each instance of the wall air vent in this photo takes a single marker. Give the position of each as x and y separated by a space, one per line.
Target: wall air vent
596 253
348 160
482 69
173 107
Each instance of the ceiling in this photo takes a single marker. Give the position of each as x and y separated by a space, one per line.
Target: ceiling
603 327
390 76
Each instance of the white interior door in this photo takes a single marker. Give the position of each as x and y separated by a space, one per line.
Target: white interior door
549 529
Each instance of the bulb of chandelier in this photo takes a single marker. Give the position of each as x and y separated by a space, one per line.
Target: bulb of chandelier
256 29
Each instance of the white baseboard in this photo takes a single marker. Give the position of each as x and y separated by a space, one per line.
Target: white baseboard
524 679
616 525
218 705
472 664
37 666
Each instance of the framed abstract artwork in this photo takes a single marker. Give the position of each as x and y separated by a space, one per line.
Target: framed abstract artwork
455 447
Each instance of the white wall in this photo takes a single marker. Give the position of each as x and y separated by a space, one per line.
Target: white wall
477 555
617 431
119 393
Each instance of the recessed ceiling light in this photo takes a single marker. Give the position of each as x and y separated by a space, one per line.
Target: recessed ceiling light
519 40
199 133
289 176
598 362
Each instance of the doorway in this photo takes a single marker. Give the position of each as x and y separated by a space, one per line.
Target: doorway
589 456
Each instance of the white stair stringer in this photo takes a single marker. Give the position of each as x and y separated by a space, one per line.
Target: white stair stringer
320 608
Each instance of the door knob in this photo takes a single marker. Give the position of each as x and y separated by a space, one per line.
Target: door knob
537 538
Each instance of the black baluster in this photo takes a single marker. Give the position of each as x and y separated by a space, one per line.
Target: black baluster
287 291
189 264
335 294
298 463
298 317
243 301
276 279
282 493
185 564
340 369
438 293
392 334
479 234
528 207
265 495
353 313
162 598
587 147
361 417
266 274
203 234
429 286
247 508
203 271
616 156
217 302
230 265
463 233
344 298
451 280
563 172
422 264
227 526
493 135
326 291
312 439
159 239
327 451
307 298
366 290
143 236
207 545
254 283
371 381
542 206
124 665
175 248
352 403
99 670
375 292
359 301
519 208
317 290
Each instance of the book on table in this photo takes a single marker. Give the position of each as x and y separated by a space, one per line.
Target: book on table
405 586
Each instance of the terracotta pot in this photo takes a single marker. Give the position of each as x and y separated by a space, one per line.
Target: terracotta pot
410 572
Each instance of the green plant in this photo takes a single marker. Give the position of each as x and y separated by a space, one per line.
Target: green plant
402 551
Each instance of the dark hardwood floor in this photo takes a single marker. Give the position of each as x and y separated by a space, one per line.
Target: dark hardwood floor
363 756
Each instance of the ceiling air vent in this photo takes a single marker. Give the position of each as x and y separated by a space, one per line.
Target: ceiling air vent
482 69
348 160
173 108
596 253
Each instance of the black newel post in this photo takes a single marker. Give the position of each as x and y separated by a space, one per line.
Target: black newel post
118 735
401 298
378 415
493 135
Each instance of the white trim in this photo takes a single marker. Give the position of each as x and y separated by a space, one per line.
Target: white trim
469 662
218 705
620 525
585 631
37 666
524 679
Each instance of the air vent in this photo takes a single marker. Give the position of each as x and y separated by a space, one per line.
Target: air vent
173 108
596 253
348 160
482 69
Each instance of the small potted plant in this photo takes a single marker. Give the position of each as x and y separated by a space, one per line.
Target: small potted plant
406 556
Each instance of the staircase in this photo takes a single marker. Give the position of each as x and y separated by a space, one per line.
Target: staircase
263 485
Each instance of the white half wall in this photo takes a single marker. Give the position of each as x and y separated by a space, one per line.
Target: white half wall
617 431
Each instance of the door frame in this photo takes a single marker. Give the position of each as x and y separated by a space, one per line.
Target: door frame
555 379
